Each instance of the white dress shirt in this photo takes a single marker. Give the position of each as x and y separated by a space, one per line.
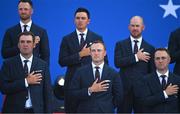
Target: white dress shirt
138 44
28 25
79 36
28 103
160 79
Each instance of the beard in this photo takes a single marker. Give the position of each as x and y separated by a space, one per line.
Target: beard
25 17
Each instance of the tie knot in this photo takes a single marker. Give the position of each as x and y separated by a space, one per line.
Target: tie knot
136 41
25 28
81 34
97 67
25 61
163 76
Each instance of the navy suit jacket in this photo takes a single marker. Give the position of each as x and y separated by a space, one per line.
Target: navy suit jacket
102 102
174 49
130 70
153 97
12 84
10 42
69 53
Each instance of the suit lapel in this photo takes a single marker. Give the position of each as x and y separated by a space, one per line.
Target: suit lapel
34 63
19 28
156 81
19 66
129 46
75 42
170 79
91 76
105 72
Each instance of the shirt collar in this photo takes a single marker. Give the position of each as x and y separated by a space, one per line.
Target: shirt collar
28 24
159 74
100 66
139 39
85 32
22 58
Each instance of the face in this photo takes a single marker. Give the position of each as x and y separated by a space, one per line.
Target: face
97 53
162 60
136 26
25 11
81 21
26 45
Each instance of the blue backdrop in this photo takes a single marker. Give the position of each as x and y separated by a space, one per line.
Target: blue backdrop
109 18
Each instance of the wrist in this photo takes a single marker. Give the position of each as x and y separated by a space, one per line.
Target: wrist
90 89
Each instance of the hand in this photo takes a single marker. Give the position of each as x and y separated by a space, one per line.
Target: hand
33 78
99 87
143 56
171 89
85 51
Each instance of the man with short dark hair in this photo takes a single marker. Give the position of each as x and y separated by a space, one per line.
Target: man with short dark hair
10 40
25 80
160 91
75 52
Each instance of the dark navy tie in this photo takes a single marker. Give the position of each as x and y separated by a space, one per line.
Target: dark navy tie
135 46
25 67
25 28
82 40
97 73
163 82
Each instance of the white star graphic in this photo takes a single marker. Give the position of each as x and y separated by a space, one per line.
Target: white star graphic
170 9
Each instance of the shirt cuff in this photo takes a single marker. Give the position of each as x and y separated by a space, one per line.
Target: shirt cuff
137 60
26 83
89 92
165 95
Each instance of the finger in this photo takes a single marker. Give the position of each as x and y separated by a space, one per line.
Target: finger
141 49
85 46
95 81
31 73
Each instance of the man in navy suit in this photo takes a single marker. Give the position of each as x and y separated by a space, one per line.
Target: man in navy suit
160 91
25 80
134 58
174 49
10 40
96 86
74 51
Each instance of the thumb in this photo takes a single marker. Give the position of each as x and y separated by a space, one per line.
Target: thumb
84 46
141 49
95 81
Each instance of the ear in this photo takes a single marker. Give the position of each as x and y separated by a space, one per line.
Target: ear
104 53
143 27
18 46
34 45
89 21
32 11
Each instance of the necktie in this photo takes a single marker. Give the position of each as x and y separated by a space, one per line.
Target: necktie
163 82
25 28
81 40
25 67
135 46
97 73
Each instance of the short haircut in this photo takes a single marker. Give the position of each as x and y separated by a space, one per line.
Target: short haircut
161 49
28 1
82 10
99 41
26 34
